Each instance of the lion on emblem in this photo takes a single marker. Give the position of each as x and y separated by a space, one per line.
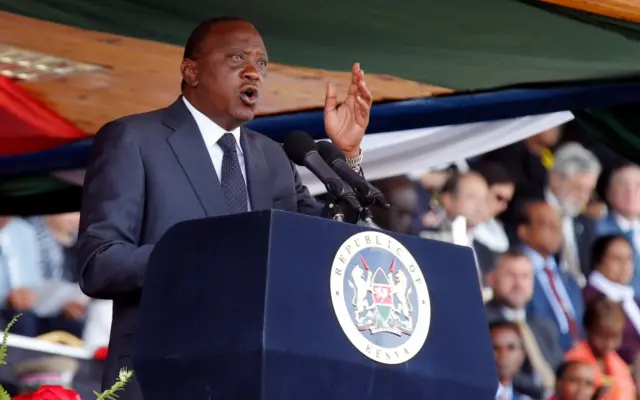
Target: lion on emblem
400 288
361 286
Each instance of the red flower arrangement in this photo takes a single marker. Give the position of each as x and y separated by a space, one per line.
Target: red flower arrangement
50 393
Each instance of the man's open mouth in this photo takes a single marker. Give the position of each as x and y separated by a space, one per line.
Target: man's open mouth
249 95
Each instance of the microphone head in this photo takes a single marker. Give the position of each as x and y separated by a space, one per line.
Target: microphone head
297 145
330 152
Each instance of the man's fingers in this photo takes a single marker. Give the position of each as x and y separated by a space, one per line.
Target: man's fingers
365 93
330 101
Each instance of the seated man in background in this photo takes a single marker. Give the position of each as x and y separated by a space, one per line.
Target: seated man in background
512 283
20 275
572 181
575 380
465 195
623 195
56 236
509 355
401 194
556 295
25 283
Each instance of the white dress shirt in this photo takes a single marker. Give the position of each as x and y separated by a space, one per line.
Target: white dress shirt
570 256
211 133
542 278
629 226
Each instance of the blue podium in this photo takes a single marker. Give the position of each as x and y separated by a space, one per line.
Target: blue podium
271 305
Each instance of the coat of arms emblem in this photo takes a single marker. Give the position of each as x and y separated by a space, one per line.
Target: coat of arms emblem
380 297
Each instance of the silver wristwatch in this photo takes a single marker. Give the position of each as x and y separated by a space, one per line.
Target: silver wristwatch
355 162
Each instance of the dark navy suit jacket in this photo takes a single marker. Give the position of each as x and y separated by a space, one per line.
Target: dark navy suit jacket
148 172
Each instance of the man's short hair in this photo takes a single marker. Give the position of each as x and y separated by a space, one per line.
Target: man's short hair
200 33
495 174
523 212
572 158
504 324
452 185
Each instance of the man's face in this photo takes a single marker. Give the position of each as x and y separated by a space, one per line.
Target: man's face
574 192
544 231
508 352
513 281
500 195
229 71
578 383
624 192
470 201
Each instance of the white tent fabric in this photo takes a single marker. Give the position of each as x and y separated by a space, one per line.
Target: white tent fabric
406 152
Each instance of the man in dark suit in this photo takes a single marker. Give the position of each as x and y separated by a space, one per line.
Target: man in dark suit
572 180
192 160
512 282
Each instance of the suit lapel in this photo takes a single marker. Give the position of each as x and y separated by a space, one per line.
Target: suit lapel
189 148
258 179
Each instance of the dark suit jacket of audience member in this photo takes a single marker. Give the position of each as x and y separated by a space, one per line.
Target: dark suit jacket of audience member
546 334
630 339
584 229
540 306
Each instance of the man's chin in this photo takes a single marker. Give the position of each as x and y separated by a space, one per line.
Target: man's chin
244 114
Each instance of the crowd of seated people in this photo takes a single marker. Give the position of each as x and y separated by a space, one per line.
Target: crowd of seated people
555 228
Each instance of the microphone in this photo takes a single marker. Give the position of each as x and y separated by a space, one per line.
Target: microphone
366 192
302 150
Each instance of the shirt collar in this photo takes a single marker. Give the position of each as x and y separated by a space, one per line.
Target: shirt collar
211 132
511 314
538 261
505 391
624 224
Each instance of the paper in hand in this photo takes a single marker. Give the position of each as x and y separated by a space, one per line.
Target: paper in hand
52 296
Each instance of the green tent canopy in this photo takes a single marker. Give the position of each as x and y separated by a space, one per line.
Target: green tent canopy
460 44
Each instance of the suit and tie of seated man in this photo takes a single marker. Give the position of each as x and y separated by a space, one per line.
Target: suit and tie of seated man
512 282
464 195
568 189
556 295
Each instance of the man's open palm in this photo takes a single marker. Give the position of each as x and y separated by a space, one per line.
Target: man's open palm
346 123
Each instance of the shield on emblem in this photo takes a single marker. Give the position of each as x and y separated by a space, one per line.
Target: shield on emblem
382 297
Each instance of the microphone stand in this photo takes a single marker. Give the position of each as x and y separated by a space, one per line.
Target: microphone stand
367 218
333 209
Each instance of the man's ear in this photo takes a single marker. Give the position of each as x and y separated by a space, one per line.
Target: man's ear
189 71
490 279
446 201
521 231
